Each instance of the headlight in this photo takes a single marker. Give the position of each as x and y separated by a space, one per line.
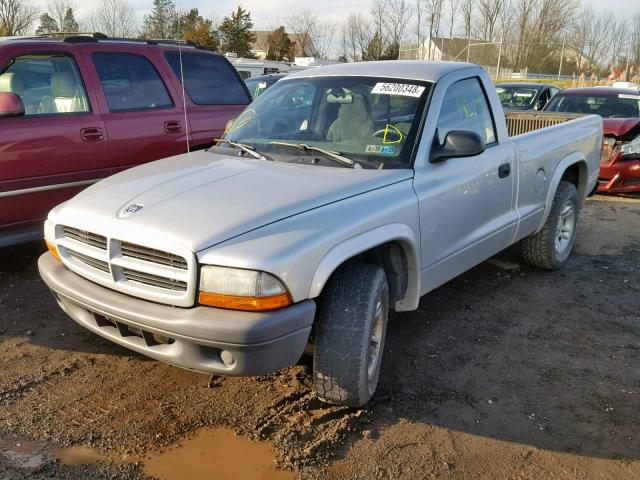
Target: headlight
631 148
50 238
239 289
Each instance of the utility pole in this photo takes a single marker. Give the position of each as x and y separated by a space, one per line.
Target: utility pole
561 58
499 55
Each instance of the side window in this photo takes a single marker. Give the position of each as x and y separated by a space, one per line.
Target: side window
208 79
465 107
47 84
130 82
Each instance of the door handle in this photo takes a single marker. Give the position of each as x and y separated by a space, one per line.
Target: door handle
91 134
172 126
504 170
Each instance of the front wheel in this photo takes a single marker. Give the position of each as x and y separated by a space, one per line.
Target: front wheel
550 247
350 333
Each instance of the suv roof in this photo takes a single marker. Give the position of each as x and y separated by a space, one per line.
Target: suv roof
95 37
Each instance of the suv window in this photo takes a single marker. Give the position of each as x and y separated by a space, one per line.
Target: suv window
130 82
208 79
48 84
465 107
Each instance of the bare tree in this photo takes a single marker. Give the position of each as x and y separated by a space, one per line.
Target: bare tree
313 34
468 10
16 17
620 36
453 8
591 37
433 10
356 36
419 15
489 12
58 10
114 18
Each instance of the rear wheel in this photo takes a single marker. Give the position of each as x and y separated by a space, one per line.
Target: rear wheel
550 247
349 334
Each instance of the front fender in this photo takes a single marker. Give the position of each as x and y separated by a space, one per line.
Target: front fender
362 242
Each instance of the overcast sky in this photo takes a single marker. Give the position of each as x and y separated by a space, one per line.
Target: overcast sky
267 13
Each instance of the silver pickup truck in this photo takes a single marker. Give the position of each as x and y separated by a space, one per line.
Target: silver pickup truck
340 193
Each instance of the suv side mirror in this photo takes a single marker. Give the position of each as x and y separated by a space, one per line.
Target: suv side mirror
10 105
457 143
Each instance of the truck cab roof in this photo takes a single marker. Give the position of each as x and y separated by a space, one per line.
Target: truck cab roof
403 69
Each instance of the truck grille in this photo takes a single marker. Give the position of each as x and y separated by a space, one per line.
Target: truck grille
154 280
92 262
144 272
152 255
83 236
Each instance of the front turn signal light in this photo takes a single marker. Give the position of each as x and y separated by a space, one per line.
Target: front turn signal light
53 250
234 302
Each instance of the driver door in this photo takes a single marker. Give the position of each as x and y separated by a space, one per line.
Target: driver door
465 204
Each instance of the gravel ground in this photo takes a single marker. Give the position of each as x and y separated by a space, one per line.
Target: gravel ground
506 372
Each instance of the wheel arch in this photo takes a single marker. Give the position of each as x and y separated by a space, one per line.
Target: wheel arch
572 168
394 247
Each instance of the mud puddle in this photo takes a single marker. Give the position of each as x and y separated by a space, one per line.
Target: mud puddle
27 454
219 453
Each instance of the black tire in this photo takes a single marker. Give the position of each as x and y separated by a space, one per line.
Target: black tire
539 249
343 334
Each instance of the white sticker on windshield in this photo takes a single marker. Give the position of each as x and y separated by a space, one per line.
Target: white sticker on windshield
631 97
404 89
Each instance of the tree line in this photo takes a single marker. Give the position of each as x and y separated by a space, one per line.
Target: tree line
528 33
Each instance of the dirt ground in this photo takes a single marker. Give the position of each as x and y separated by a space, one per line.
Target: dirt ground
506 372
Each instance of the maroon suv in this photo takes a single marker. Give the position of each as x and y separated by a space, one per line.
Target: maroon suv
77 110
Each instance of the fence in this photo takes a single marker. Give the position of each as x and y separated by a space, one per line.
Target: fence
521 61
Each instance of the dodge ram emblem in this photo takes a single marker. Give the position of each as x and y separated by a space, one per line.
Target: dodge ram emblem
131 209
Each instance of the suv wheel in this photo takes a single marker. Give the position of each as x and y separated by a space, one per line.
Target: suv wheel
350 334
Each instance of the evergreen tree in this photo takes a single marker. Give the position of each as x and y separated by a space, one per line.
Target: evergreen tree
47 25
70 24
162 21
280 45
192 27
235 33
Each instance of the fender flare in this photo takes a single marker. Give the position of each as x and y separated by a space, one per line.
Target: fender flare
362 242
565 163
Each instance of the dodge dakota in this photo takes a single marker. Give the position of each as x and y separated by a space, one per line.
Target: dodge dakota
340 193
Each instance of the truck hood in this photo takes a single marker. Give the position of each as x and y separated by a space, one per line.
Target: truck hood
200 199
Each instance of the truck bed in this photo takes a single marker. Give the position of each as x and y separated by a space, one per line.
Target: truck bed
524 122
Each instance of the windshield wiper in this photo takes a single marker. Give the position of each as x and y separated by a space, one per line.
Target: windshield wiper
329 153
245 148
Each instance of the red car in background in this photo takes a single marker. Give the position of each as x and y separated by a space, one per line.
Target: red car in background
76 110
620 110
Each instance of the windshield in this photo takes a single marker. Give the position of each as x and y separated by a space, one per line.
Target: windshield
372 121
258 85
606 105
515 96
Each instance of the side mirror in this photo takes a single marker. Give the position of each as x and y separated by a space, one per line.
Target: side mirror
10 105
457 143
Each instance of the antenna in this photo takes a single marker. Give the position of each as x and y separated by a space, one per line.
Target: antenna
184 100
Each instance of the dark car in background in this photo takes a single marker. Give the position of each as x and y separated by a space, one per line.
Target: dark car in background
259 84
79 109
620 110
525 96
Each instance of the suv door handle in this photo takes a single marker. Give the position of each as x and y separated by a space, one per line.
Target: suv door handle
172 126
504 170
91 134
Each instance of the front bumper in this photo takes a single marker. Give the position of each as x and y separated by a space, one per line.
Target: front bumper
620 177
204 339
